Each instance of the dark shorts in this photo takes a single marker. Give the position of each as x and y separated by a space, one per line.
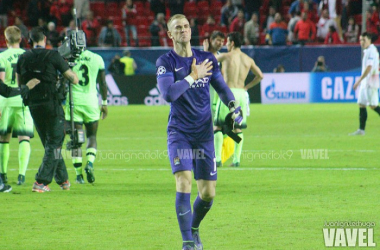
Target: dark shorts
198 156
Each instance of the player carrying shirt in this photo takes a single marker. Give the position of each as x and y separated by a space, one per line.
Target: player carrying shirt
184 76
90 70
15 120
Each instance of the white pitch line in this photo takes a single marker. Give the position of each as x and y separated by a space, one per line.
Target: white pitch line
228 169
243 151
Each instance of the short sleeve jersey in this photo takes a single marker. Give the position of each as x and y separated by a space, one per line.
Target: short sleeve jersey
371 58
87 68
8 63
191 112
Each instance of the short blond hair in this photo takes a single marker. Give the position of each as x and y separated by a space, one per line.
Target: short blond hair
12 34
175 17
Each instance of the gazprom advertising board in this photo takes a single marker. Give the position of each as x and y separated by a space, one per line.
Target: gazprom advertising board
333 87
309 87
285 88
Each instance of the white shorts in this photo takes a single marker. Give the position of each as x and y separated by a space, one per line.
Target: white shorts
368 96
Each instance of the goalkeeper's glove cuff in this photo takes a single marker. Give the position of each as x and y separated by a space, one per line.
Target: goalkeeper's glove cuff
232 105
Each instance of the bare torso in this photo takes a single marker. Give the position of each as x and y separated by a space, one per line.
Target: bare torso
236 66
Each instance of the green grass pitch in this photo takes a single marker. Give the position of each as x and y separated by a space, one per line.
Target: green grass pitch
275 200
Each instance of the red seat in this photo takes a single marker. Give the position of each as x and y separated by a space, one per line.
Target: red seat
203 5
141 20
139 5
190 5
358 19
191 12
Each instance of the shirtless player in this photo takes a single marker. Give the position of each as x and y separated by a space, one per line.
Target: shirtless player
236 66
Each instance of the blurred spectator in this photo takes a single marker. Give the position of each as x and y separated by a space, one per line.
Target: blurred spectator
208 27
252 7
5 7
229 11
269 19
238 3
320 65
158 26
305 30
296 16
194 32
82 6
116 67
252 30
373 21
335 12
277 4
323 25
311 12
65 30
109 36
90 26
61 11
278 31
332 37
352 31
129 62
237 24
22 27
42 24
176 6
297 5
34 12
158 6
279 69
129 14
52 35
45 6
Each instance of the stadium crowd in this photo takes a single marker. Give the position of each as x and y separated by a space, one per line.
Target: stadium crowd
114 23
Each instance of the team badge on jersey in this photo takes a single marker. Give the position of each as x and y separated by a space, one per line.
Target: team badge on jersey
161 70
176 161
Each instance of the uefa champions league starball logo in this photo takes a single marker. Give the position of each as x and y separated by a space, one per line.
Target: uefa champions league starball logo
161 70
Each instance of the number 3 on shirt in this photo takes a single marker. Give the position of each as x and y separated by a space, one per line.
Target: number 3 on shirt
85 80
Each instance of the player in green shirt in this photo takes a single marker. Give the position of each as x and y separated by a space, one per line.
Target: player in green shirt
90 71
16 119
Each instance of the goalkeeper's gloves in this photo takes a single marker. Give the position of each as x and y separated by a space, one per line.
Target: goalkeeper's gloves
237 114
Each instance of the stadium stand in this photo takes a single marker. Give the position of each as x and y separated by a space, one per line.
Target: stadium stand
199 9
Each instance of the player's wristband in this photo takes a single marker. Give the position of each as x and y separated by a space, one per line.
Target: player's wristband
104 102
190 80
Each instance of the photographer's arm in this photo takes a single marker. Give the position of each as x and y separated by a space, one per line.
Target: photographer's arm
71 76
101 79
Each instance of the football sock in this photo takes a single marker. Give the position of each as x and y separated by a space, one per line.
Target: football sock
362 117
377 110
200 209
184 215
238 149
91 155
4 156
23 156
218 144
77 162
